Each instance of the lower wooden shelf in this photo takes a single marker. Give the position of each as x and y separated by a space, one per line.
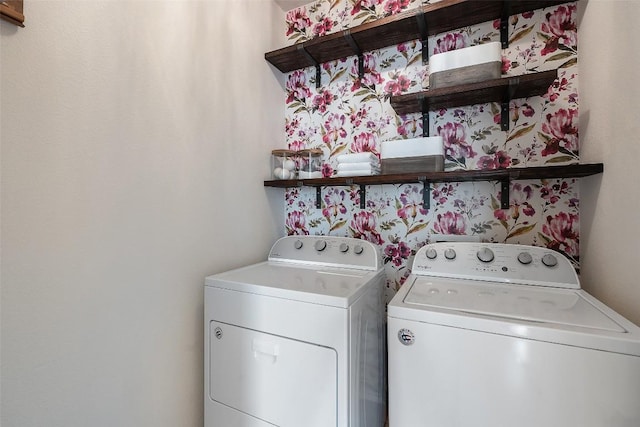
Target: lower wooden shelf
538 172
505 176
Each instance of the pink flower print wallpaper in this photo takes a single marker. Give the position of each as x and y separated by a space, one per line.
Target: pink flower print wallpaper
348 114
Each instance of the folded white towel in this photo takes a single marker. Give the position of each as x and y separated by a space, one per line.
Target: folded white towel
358 158
309 175
425 146
363 172
357 166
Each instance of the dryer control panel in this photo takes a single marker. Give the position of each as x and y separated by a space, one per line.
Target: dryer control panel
497 262
343 252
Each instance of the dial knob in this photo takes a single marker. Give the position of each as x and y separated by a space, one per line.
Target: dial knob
449 254
320 245
549 260
297 244
485 255
525 258
344 247
358 249
431 253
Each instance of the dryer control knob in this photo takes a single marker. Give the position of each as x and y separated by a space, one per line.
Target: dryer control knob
450 254
320 245
297 244
358 249
344 247
485 255
549 260
431 253
525 258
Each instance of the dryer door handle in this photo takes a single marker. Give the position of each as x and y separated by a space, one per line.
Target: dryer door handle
265 350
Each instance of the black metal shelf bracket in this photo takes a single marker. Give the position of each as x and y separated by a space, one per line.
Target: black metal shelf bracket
356 50
363 196
424 36
504 24
426 192
318 197
314 62
504 114
425 117
504 110
504 193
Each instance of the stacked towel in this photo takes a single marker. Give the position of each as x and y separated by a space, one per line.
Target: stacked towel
358 158
358 164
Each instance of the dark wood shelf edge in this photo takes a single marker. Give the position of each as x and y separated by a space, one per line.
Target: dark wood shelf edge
447 15
496 90
536 172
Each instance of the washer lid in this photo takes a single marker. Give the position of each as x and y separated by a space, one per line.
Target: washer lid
535 304
338 287
561 316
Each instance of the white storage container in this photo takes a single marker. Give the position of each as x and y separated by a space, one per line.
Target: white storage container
467 65
424 154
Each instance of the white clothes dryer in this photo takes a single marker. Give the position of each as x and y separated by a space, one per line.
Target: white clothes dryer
497 335
297 340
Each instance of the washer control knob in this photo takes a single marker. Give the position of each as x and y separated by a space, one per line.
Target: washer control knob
431 253
297 244
358 249
525 258
320 245
344 247
449 254
549 260
485 255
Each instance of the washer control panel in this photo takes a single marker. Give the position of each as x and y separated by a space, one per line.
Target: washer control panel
327 250
496 262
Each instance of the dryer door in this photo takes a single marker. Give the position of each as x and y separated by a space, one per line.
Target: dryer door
282 381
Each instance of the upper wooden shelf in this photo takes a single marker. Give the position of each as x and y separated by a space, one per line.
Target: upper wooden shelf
414 24
496 90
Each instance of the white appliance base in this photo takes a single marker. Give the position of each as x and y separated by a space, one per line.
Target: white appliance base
452 377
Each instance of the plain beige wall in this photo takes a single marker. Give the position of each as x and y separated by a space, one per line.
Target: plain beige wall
135 139
609 37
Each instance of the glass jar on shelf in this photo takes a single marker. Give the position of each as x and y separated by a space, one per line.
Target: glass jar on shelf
283 164
310 163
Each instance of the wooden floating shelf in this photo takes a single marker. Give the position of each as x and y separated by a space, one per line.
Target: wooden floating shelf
415 24
501 90
537 172
496 90
502 175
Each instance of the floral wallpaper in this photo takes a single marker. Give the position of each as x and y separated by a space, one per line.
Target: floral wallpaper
348 115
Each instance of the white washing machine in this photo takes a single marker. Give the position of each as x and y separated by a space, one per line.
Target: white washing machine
496 335
298 340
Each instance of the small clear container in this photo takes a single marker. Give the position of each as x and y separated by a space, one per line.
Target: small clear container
310 163
283 164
